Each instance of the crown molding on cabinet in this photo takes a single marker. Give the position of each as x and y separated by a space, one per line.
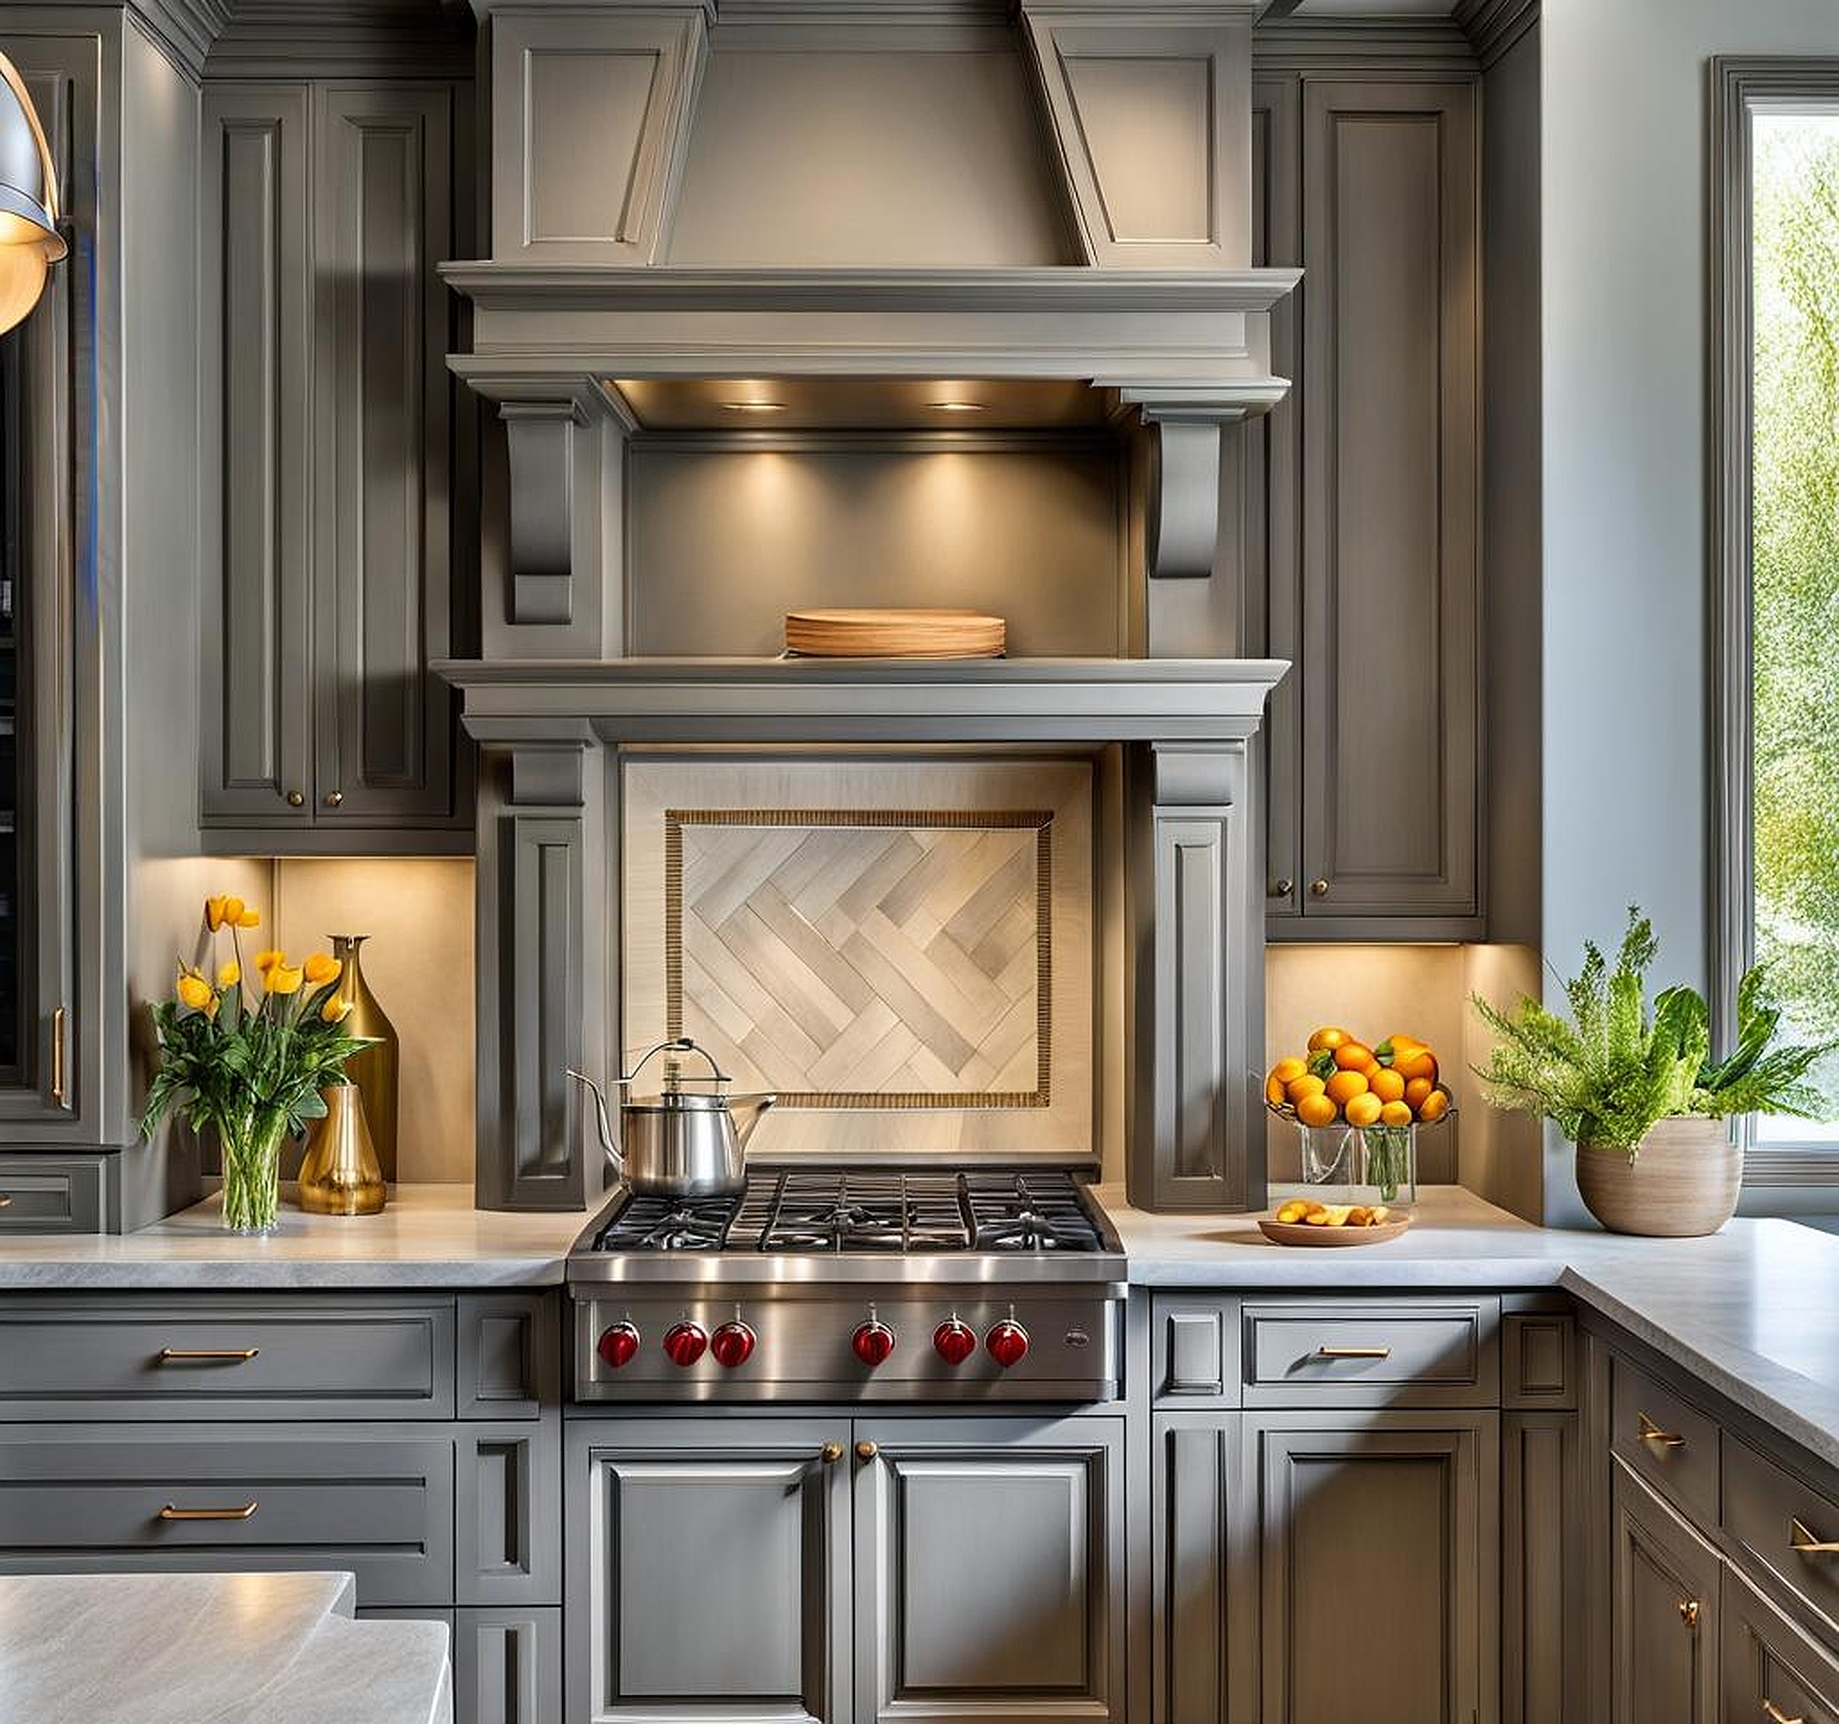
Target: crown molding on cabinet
1493 26
1401 46
332 38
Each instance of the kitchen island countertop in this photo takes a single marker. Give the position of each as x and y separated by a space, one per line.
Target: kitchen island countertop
212 1649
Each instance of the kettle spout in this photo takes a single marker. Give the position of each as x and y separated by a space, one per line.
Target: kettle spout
601 1121
746 1111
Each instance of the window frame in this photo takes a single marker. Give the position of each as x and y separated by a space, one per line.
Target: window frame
1741 89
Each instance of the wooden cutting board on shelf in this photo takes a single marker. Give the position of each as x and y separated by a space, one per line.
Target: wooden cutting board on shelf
894 634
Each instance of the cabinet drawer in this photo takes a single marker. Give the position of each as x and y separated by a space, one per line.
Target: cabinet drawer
44 1194
1772 1672
1195 1351
1372 1352
1664 1439
133 1498
219 1359
1767 1513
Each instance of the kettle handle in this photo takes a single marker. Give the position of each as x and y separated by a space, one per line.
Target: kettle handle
678 1044
607 1142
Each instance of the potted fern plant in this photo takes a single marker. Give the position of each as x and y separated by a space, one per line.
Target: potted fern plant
1635 1088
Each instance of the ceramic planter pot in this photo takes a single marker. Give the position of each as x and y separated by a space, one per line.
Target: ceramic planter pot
1684 1183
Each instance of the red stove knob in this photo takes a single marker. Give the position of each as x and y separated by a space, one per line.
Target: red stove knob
619 1345
873 1341
732 1344
685 1343
954 1341
1008 1343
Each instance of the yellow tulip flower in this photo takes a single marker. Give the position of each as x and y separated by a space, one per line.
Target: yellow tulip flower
335 1010
214 912
194 991
232 910
230 974
249 919
282 979
266 961
322 967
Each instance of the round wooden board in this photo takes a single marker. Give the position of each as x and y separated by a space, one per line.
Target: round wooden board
894 634
1301 1233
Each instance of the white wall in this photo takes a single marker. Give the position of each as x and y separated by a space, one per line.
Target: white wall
1624 209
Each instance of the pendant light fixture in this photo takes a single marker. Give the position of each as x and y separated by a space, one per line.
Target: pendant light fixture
29 240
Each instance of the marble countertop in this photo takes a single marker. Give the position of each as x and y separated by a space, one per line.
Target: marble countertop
1749 1311
212 1649
429 1236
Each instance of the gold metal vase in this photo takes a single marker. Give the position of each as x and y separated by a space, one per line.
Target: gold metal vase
340 1173
374 1069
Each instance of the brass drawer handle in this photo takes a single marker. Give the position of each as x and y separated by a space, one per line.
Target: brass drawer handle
60 1087
6 1201
866 1451
194 1355
1689 1613
1801 1540
830 1454
243 1513
1353 1352
1651 1434
1776 1715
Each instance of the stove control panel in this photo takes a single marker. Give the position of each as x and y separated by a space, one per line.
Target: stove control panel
796 1345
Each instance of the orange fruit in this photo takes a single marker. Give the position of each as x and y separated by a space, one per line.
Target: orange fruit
1297 1088
1386 1084
1328 1037
1344 1087
1435 1106
1419 1063
1353 1056
1416 1090
1316 1110
1285 1070
1365 1109
1395 1113
1396 1047
1274 1092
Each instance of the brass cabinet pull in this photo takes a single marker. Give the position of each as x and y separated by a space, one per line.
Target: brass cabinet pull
1353 1352
1651 1434
1319 888
831 1453
192 1355
866 1451
243 1513
60 1092
1802 1540
6 1201
1776 1715
296 799
334 798
1689 1613
1283 888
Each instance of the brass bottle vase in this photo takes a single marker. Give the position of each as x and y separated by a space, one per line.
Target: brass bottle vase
339 1173
374 1068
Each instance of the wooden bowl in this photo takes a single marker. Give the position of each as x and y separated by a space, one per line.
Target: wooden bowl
894 634
1301 1233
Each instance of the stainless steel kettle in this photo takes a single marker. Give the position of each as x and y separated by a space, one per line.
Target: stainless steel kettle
680 1143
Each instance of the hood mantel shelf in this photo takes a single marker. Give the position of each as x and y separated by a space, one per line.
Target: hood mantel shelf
724 700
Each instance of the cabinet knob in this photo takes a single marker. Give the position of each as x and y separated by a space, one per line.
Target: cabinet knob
296 799
334 797
1283 888
866 1451
1319 888
831 1453
1689 1613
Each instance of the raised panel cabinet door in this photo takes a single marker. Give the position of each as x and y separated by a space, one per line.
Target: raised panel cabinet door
382 403
1771 1671
257 459
1663 1639
707 1570
1376 1546
1390 409
989 1569
1205 1585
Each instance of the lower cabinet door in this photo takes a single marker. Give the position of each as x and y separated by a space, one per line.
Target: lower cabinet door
1204 1592
707 1567
989 1570
1663 1639
1772 1672
1376 1544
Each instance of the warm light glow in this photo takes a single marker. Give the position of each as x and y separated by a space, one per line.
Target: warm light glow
754 406
956 406
29 240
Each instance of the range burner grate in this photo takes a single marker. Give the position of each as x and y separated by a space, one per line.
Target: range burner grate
646 1223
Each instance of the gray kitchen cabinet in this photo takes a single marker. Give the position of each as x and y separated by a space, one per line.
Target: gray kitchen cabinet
1375 1546
1364 508
1770 1671
507 1663
1204 1587
330 543
1663 1600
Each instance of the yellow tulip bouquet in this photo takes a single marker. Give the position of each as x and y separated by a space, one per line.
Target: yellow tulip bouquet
248 1058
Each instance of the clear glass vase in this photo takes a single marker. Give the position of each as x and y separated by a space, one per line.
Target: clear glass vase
1360 1164
252 1140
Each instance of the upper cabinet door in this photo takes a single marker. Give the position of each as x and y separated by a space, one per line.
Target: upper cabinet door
257 354
1390 411
383 186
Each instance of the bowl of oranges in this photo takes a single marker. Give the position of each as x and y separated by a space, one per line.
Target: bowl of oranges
1358 1107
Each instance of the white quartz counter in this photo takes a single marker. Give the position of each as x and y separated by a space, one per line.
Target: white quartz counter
429 1236
1752 1311
212 1649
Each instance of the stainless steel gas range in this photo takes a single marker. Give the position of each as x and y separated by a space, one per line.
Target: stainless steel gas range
847 1283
